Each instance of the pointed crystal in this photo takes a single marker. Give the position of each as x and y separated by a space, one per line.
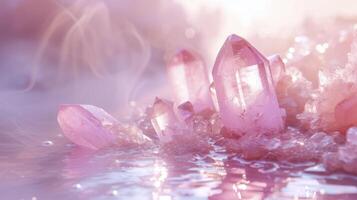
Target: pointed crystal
87 126
277 67
189 80
245 89
164 119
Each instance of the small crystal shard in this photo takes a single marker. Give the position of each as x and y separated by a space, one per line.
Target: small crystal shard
86 125
189 80
164 119
185 110
277 67
245 89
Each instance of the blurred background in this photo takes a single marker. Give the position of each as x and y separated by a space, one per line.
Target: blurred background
110 53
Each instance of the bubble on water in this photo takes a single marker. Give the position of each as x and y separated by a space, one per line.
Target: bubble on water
47 143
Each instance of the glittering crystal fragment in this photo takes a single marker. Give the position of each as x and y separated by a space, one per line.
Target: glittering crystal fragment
86 125
277 67
189 79
213 93
245 89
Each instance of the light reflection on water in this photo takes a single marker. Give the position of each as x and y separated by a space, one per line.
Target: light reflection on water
53 172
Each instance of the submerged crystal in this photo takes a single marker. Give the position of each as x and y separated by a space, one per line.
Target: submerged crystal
189 79
245 89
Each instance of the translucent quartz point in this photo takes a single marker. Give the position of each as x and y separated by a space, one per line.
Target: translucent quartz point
164 119
245 89
277 67
189 79
87 126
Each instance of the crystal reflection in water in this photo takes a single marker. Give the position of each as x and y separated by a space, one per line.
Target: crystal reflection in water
51 172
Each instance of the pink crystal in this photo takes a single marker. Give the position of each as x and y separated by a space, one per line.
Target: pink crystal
189 80
86 125
164 119
245 90
277 67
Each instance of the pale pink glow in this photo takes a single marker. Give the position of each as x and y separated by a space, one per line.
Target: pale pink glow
189 79
277 67
245 90
87 126
164 119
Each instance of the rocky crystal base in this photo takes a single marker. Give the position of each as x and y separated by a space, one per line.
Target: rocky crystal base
272 108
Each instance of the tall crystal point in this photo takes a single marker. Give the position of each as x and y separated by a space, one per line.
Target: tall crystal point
245 89
86 125
189 80
164 119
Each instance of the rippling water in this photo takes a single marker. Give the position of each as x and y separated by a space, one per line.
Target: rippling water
63 171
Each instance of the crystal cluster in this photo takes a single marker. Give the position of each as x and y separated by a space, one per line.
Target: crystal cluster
285 108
